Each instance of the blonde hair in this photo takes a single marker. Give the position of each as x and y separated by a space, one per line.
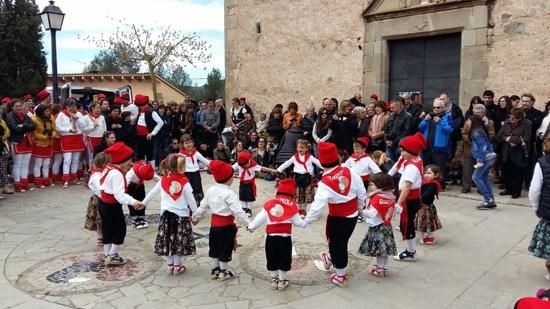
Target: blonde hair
546 146
174 163
380 157
303 142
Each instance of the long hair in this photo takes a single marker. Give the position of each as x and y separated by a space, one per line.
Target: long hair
322 123
476 124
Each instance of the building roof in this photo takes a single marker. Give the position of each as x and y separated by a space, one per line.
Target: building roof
113 76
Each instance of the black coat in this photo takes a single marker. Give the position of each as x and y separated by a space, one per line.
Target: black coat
17 133
275 129
344 130
287 146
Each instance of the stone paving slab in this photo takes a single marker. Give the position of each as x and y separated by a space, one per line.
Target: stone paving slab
480 261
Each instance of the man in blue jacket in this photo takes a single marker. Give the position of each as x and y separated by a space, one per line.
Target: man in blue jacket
437 128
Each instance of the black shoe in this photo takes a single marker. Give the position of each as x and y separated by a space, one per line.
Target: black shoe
505 192
405 256
487 206
215 273
466 190
502 186
516 195
359 219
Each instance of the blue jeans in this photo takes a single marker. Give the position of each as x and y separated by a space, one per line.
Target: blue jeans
481 179
393 152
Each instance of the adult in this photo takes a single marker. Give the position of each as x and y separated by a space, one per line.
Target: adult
535 148
183 122
105 107
466 155
488 100
42 150
321 129
21 127
244 106
131 107
373 98
245 127
210 121
483 154
455 112
95 126
148 126
437 128
539 196
43 97
412 110
4 151
57 152
344 128
516 100
357 99
504 107
342 190
473 101
115 123
377 127
362 120
287 145
238 111
162 139
515 137
308 122
292 116
107 140
220 106
416 100
329 106
274 127
69 125
399 126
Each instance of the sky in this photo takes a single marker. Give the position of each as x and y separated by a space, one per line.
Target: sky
92 18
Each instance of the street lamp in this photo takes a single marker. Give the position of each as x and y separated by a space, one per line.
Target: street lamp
52 19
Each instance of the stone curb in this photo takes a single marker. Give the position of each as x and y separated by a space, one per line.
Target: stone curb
522 202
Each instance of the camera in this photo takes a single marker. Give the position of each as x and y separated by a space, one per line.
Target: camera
432 115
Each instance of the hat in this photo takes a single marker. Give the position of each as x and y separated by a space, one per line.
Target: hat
242 98
141 100
42 95
221 171
27 97
413 144
243 157
119 153
125 96
374 95
363 141
287 186
328 154
101 96
144 171
118 101
6 100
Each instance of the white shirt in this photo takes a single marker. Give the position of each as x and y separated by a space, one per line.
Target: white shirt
299 167
221 200
536 187
63 124
263 218
326 195
372 217
156 118
252 171
114 184
93 183
93 130
409 173
134 111
192 163
363 167
132 177
179 206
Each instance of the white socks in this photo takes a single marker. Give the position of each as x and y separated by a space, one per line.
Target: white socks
411 245
282 275
106 249
273 273
170 259
340 272
382 261
224 265
177 259
215 263
114 249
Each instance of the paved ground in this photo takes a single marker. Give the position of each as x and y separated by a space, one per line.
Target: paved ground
49 261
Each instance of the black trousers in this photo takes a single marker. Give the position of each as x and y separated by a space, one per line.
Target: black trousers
512 175
222 242
440 159
144 149
278 252
339 230
113 223
138 192
408 229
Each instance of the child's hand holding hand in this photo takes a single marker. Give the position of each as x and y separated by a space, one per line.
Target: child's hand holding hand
397 210
249 230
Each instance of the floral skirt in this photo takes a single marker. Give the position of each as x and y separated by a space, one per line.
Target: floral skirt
540 243
93 219
304 195
379 241
175 236
427 219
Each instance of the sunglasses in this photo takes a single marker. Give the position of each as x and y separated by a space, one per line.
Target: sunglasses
437 107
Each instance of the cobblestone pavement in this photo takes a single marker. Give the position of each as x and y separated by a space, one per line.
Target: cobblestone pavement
50 261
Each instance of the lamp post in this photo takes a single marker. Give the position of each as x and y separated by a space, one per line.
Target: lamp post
52 19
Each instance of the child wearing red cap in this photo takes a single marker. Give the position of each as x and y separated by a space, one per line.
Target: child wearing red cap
224 205
279 214
361 163
135 177
93 220
113 194
410 166
303 171
247 168
175 236
192 167
343 191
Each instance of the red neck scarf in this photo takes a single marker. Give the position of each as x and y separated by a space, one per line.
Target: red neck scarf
436 183
306 157
359 157
247 170
94 115
189 153
21 116
173 184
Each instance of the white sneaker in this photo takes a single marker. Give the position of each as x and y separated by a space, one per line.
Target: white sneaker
274 283
283 284
65 184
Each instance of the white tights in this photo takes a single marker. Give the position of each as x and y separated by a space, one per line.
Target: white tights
174 260
42 164
20 165
70 162
57 161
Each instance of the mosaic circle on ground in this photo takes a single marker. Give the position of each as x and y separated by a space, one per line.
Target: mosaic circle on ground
252 261
85 272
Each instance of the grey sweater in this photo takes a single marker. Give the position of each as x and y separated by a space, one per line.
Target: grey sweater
210 119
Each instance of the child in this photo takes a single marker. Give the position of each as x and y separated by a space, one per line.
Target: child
427 220
379 241
175 235
382 160
247 168
280 213
224 205
261 125
135 177
93 220
362 164
303 170
192 168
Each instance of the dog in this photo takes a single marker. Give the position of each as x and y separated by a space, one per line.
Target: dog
455 172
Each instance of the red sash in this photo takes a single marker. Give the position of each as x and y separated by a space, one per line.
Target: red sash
142 130
92 142
365 178
173 184
247 171
384 206
42 151
306 157
343 209
417 162
109 198
279 228
57 145
72 143
220 221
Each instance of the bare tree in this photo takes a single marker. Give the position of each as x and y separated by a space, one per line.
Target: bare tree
155 46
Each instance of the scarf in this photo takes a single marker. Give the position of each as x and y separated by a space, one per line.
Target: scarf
306 158
189 154
377 123
173 184
359 157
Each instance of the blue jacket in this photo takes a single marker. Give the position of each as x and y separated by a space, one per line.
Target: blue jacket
443 131
480 145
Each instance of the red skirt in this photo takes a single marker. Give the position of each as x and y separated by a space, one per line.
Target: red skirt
42 151
23 147
92 142
57 145
72 143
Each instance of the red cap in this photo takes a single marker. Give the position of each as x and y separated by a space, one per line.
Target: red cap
6 100
363 141
243 157
101 96
118 101
42 95
221 171
328 154
144 171
27 97
141 100
413 144
287 186
374 95
125 96
119 153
